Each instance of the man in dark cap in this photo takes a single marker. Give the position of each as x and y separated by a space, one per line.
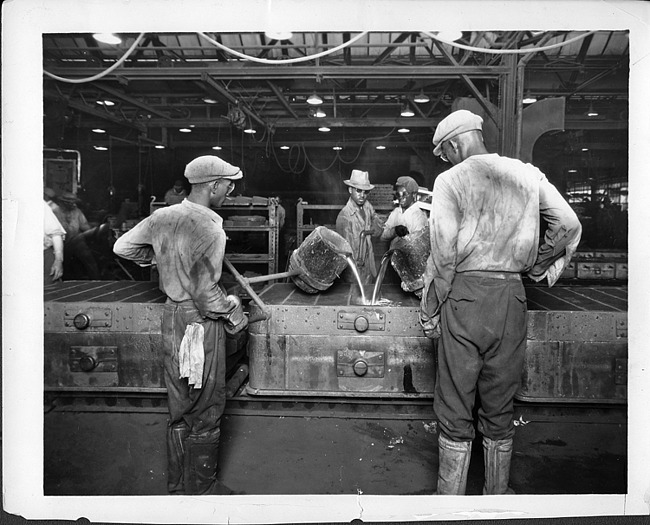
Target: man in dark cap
357 222
188 243
176 194
485 223
76 250
406 218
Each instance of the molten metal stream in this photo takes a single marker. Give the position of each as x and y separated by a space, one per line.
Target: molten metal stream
355 271
380 276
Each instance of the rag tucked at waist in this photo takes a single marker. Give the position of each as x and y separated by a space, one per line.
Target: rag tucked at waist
507 276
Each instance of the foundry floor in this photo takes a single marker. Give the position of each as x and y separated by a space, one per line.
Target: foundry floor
303 452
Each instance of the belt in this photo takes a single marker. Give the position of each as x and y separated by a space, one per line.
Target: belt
186 302
506 276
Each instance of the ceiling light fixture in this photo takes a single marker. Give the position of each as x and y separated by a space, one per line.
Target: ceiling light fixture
407 111
324 129
250 130
592 112
585 149
380 147
106 102
209 100
284 147
99 130
159 146
217 148
319 113
185 130
107 38
450 35
278 35
314 100
403 130
573 171
101 148
421 98
529 99
337 148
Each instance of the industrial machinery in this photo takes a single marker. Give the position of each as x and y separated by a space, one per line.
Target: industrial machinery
104 337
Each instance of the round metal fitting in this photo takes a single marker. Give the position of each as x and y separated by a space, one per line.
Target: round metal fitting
360 367
81 321
87 363
361 324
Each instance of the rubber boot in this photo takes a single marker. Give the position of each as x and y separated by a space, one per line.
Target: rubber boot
453 465
496 458
201 462
176 435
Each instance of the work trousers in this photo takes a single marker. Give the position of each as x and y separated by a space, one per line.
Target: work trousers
198 411
482 346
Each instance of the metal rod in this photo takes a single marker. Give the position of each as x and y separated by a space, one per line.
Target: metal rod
241 280
271 276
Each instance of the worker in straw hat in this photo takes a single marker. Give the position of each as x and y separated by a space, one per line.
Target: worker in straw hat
188 243
485 222
357 222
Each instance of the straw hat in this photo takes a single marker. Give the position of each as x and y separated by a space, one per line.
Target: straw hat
360 180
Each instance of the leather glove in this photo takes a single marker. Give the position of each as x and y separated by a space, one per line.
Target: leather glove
401 230
431 326
236 320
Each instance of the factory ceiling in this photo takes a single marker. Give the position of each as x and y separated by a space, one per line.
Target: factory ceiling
218 85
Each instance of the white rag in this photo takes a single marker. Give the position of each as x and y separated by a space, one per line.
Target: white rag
191 356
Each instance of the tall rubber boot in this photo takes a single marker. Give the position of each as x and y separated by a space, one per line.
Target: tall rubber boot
201 462
496 458
176 435
453 465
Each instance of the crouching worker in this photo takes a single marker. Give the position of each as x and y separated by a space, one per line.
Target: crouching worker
188 243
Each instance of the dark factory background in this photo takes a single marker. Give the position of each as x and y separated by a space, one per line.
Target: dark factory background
179 95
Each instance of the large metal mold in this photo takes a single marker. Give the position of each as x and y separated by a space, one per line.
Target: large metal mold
329 345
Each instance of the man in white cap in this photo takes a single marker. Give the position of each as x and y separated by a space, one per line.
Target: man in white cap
188 243
357 222
485 223
406 219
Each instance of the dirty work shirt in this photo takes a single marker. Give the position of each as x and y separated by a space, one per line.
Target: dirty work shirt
414 218
485 216
188 243
73 220
349 224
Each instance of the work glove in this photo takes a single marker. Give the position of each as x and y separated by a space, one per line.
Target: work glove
431 326
401 230
236 320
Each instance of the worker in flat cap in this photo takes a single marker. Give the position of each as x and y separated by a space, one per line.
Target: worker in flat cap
357 222
406 218
484 229
188 243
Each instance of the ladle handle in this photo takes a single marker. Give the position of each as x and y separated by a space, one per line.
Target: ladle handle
241 280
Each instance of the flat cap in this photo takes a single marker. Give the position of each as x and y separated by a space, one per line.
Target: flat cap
408 183
210 167
454 124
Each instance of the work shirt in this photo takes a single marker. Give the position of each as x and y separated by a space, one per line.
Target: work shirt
486 216
51 227
350 223
73 220
189 243
414 218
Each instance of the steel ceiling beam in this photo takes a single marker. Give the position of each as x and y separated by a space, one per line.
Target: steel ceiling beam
278 72
130 100
205 77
